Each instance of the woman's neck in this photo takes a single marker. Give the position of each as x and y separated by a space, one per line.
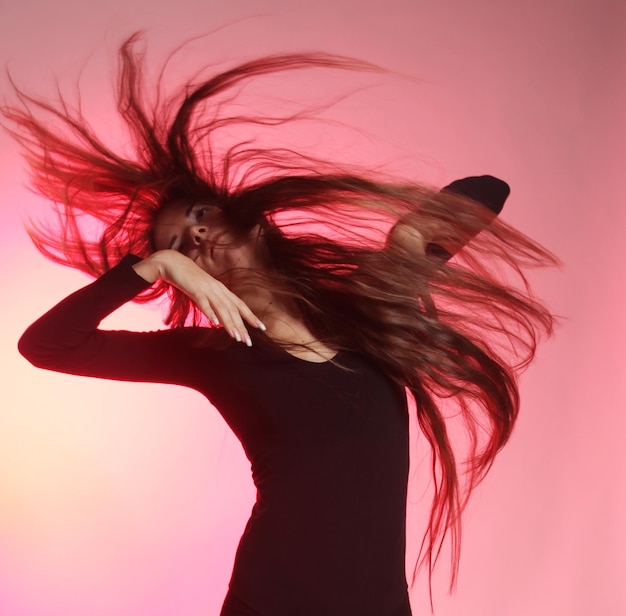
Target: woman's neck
283 321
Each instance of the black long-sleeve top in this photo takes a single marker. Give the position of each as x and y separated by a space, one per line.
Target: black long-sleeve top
327 442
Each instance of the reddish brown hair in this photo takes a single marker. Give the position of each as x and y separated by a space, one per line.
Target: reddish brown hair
454 334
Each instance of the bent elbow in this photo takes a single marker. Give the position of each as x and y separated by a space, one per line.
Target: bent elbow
31 347
27 349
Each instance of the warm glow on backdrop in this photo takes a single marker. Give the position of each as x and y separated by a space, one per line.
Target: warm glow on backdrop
118 499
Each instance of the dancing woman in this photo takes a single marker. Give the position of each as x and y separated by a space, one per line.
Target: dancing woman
312 306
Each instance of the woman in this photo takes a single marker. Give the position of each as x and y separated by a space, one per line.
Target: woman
306 303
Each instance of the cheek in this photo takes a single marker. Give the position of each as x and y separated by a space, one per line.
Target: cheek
161 235
158 241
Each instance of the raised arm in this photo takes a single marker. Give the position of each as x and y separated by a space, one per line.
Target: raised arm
67 337
220 305
485 189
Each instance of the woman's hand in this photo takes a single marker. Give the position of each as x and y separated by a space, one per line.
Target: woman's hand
405 236
215 300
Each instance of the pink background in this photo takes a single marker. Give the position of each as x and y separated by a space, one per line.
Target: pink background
122 499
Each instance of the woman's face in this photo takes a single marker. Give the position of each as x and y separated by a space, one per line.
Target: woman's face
199 231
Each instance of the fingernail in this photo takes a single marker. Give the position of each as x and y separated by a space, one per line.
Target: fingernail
262 326
248 341
237 336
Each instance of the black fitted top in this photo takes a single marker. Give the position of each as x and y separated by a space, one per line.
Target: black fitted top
327 442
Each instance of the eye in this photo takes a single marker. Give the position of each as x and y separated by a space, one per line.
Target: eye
201 212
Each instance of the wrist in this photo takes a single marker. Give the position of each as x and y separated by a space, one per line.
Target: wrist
152 268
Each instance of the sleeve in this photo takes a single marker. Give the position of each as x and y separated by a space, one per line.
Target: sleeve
487 190
67 338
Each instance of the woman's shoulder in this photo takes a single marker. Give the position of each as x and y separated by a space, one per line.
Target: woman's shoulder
200 337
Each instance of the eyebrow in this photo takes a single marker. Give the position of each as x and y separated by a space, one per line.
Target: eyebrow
187 212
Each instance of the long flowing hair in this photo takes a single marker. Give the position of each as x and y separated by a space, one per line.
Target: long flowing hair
455 334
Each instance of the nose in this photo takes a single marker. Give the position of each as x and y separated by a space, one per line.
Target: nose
198 234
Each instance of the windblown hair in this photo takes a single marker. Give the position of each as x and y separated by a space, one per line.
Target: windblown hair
455 334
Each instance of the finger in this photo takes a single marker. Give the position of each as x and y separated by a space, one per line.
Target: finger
249 316
244 313
208 311
239 333
223 306
239 328
230 318
237 311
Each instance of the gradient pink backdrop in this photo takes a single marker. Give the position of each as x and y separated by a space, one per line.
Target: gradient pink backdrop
121 499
